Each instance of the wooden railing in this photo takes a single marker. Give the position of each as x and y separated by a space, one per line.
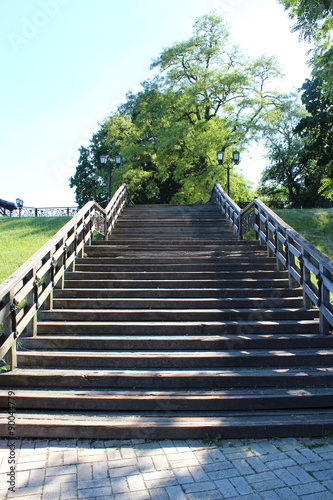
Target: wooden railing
307 267
31 286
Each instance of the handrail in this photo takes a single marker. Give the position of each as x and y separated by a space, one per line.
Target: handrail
307 266
31 286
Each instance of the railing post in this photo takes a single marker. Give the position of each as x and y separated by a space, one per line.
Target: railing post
324 294
240 227
307 280
10 357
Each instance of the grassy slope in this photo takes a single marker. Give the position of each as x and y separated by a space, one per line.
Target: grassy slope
315 225
21 238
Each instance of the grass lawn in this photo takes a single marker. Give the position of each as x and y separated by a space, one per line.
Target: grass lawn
315 225
21 238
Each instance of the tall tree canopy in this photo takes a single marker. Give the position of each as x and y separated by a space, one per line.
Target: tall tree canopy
206 95
315 131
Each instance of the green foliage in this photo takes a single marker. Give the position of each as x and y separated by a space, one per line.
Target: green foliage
206 96
314 19
292 175
21 238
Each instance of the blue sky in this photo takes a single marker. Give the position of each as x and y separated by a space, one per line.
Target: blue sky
66 64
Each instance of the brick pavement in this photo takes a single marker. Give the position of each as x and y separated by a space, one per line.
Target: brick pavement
172 470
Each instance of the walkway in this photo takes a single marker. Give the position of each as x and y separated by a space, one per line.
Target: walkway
171 470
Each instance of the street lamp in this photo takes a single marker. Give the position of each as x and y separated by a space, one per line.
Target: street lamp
19 204
104 161
235 160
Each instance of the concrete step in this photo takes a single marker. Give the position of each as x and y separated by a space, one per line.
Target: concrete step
189 425
177 342
175 360
180 315
140 400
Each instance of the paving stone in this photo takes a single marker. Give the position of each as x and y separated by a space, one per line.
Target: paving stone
286 494
298 457
314 466
258 449
146 464
160 462
327 456
310 455
241 485
100 469
226 488
119 485
159 479
127 452
286 444
149 449
158 494
183 475
323 475
270 495
95 492
203 456
280 464
306 489
113 454
217 466
209 495
328 485
137 495
243 467
70 457
268 485
51 491
223 474
256 464
198 473
301 474
68 490
181 445
199 487
217 455
136 483
328 448
288 478
117 464
324 495
258 478
67 469
175 493
124 471
35 478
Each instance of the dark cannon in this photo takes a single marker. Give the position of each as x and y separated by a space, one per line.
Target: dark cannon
8 205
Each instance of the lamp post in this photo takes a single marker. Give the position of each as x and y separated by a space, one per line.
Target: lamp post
235 160
19 204
104 161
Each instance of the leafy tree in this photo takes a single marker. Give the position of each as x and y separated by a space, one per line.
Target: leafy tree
205 96
290 172
315 23
314 19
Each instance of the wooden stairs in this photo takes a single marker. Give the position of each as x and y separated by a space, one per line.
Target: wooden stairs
173 329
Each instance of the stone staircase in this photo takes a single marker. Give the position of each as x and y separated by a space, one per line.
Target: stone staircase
174 329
